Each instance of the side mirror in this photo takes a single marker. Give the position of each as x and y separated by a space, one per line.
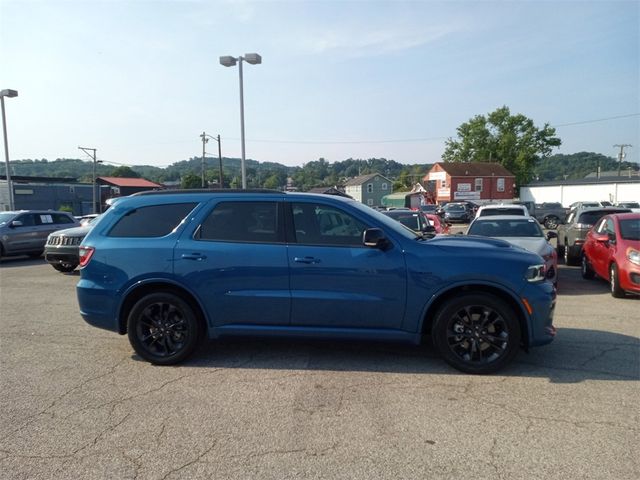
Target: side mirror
551 235
15 223
375 238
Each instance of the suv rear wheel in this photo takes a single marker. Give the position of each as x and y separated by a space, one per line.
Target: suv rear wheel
163 328
476 333
551 222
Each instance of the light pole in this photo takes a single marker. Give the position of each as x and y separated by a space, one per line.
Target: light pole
227 61
7 93
205 138
93 157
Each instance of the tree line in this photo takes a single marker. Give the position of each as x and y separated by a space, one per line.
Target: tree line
514 141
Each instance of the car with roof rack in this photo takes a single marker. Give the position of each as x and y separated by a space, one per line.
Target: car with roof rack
170 269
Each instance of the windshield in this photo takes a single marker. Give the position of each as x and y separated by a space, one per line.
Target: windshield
6 217
629 205
388 222
412 220
501 211
454 207
506 228
630 229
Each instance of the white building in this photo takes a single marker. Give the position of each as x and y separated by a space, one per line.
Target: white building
616 189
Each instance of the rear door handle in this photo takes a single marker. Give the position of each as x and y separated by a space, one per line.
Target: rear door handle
307 260
194 256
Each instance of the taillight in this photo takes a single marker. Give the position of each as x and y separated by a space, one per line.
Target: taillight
85 255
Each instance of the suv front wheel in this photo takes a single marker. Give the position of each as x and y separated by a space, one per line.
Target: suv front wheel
476 333
163 328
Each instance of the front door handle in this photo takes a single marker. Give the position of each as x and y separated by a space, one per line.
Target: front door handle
194 256
308 260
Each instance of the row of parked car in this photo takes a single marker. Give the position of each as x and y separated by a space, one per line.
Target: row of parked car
602 239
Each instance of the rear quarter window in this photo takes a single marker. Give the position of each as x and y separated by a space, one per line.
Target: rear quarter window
151 221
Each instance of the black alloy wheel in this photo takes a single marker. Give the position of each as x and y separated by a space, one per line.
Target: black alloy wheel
477 333
551 223
614 282
163 328
585 268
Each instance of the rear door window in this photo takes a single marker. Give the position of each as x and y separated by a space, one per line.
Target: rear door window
152 221
242 222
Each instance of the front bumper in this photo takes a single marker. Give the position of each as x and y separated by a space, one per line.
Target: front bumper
541 297
63 254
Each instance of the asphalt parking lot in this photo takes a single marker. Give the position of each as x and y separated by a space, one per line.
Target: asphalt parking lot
77 403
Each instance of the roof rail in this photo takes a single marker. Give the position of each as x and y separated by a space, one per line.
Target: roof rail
206 190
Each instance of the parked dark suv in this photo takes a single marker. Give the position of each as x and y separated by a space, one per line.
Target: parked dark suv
25 232
572 233
171 268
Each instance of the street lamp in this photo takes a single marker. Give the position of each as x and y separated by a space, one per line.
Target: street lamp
204 141
7 93
227 61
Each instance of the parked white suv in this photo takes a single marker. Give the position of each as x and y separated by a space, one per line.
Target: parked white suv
502 209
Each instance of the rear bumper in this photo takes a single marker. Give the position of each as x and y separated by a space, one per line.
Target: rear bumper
61 255
97 306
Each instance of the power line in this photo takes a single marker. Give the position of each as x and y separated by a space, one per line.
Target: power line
596 120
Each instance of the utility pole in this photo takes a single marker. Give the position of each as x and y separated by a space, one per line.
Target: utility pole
220 162
204 142
621 155
205 139
93 184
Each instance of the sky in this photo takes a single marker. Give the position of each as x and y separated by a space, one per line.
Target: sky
141 80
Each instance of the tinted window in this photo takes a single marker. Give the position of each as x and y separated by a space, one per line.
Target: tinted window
153 221
590 218
241 222
630 229
62 218
323 225
506 228
501 211
412 220
28 220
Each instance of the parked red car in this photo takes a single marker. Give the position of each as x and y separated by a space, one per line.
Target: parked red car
612 251
436 221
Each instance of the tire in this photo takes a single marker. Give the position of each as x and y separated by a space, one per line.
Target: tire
64 267
560 250
551 223
585 268
163 328
569 259
476 333
614 282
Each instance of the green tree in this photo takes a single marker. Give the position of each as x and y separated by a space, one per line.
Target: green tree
124 172
511 140
191 180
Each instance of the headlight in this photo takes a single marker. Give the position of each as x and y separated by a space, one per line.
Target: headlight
535 273
633 256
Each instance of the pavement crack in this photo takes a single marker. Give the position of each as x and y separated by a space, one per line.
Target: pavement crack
192 462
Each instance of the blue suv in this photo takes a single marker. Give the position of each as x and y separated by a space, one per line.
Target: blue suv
170 268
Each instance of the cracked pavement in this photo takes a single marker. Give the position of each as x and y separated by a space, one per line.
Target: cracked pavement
77 403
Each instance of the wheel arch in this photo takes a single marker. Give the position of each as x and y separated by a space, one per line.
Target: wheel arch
157 286
443 297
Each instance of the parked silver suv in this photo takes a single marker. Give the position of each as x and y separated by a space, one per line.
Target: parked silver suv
25 232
